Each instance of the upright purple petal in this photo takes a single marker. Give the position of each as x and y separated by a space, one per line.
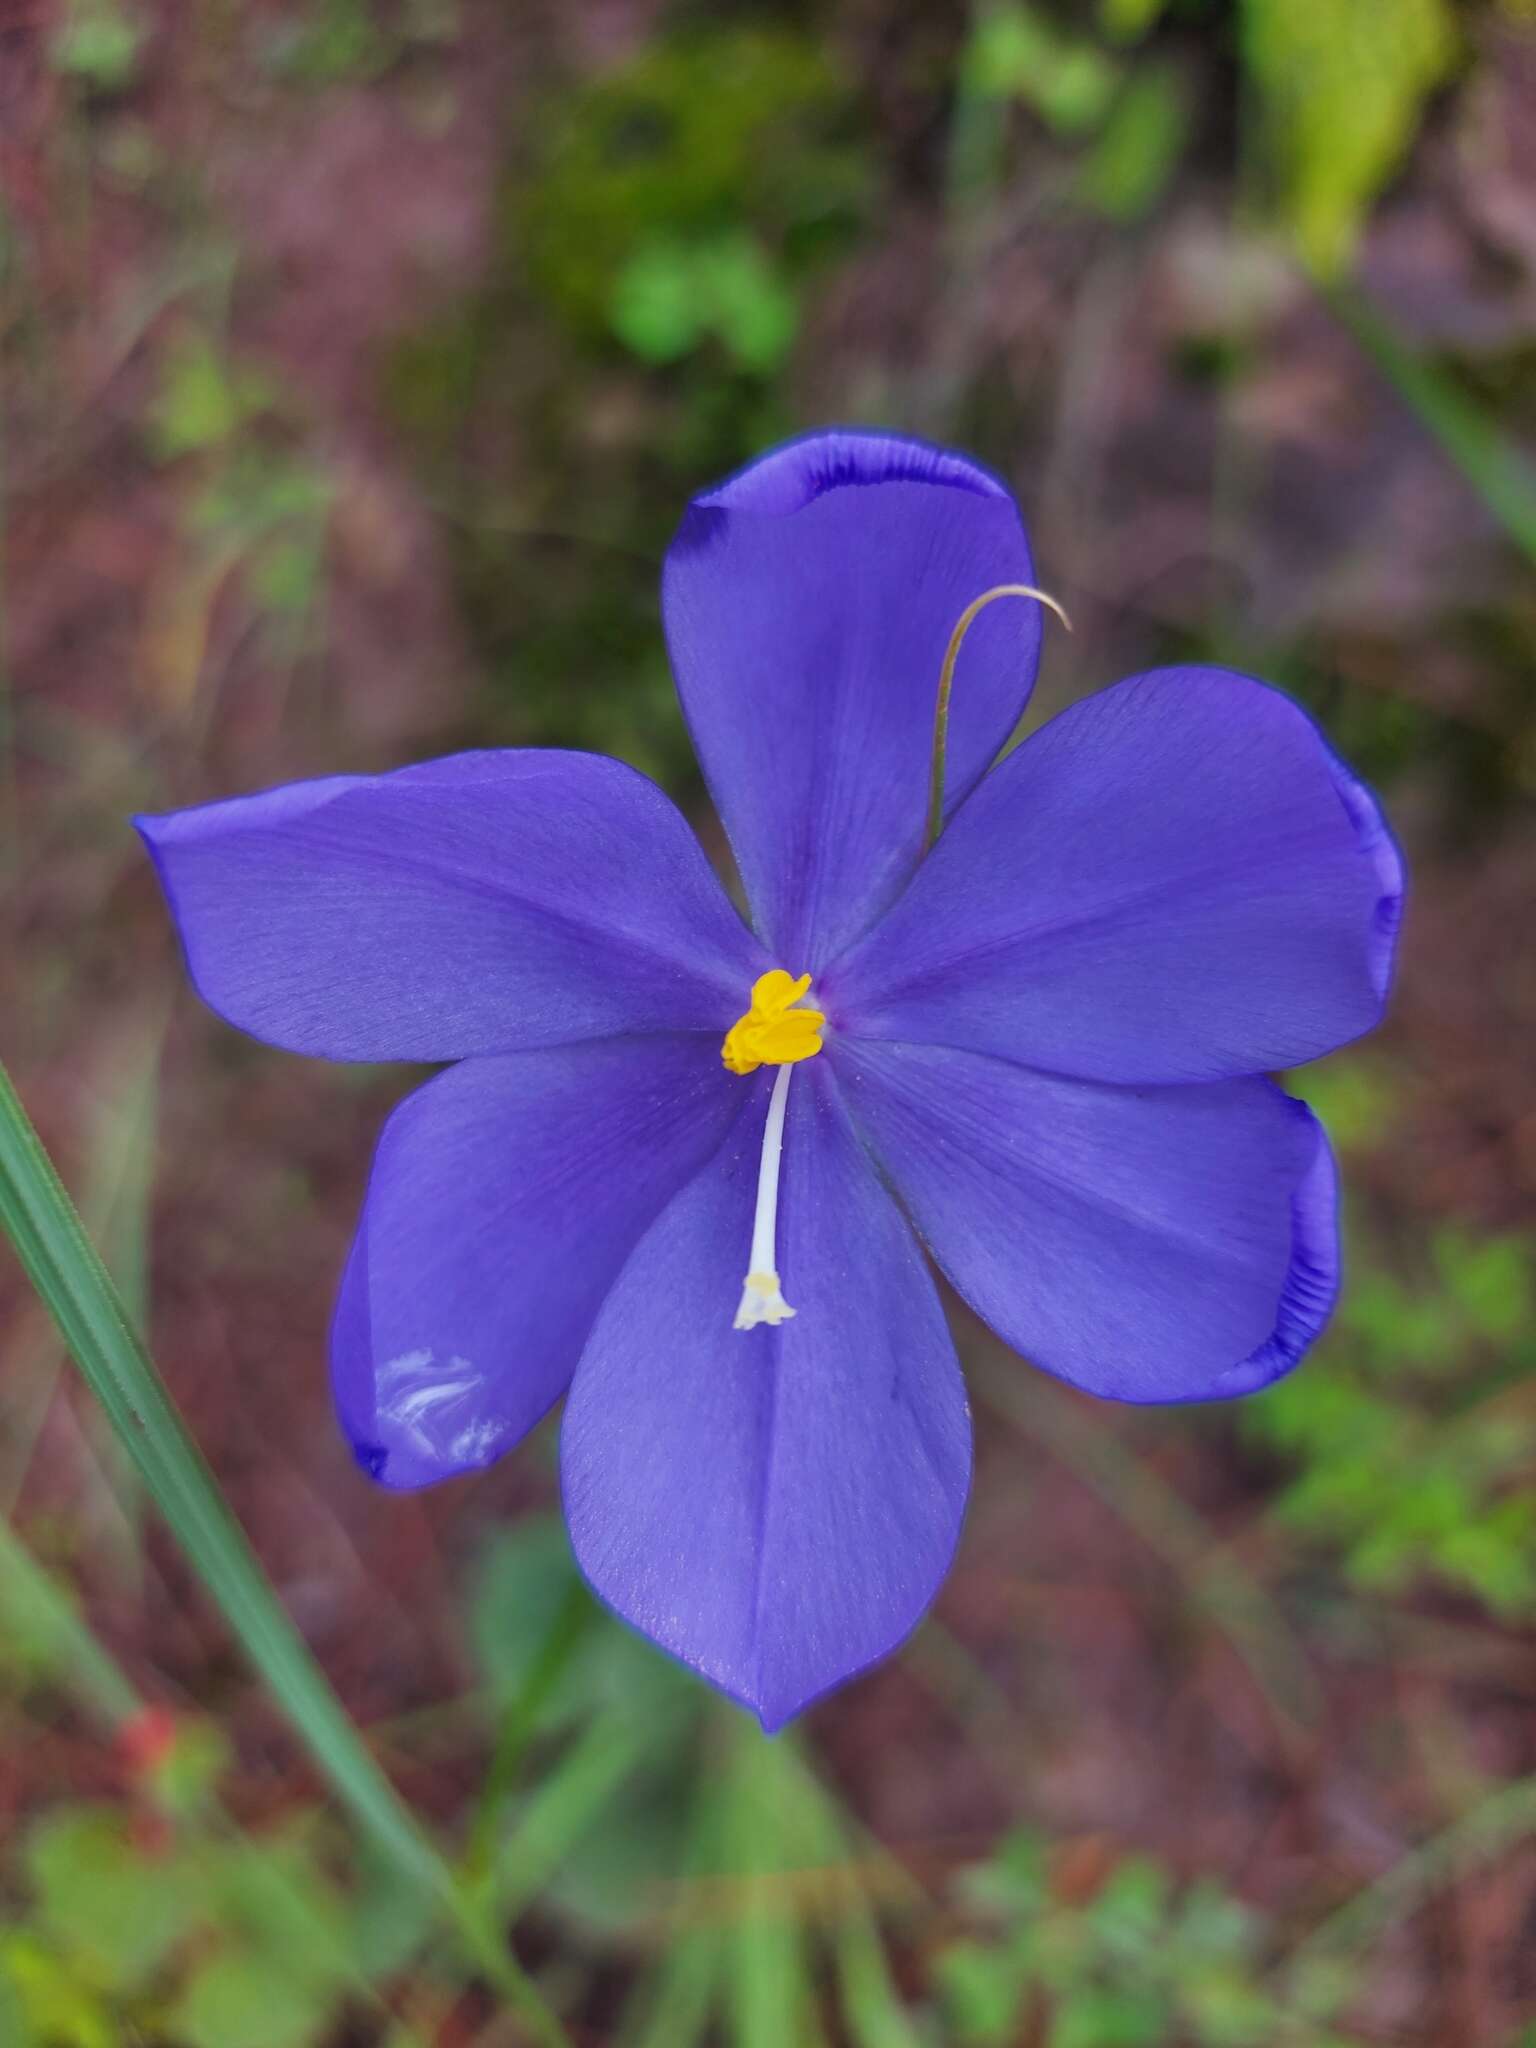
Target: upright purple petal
808 605
506 1194
777 1507
1173 881
1147 1244
476 904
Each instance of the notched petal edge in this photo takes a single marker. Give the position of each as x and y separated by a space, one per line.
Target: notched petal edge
1312 1281
1385 856
795 475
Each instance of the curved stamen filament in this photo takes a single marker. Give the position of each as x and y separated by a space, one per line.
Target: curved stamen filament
947 682
761 1300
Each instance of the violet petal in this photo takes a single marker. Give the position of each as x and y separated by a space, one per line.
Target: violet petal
477 904
1175 880
808 605
776 1507
1146 1244
505 1196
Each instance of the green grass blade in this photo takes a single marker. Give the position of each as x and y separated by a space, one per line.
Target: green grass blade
823 1834
36 1610
571 1796
62 1265
769 1993
672 2003
1499 473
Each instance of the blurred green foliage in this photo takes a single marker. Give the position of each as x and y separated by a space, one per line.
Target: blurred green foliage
256 511
672 295
1339 88
97 43
1342 85
1142 1963
1412 1431
157 1919
730 146
667 217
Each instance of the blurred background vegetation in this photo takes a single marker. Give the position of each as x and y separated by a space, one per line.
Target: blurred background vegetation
358 357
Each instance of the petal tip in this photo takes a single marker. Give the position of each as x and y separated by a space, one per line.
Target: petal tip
794 475
1379 847
1311 1287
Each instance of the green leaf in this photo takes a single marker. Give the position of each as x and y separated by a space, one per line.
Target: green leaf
1109 2019
1490 1282
286 576
115 1911
56 2008
203 400
526 1595
982 1988
656 311
186 1777
750 307
243 2001
1343 84
99 45
1354 1096
274 1896
1015 53
609 1874
1012 1881
671 295
1139 148
1127 21
16 2029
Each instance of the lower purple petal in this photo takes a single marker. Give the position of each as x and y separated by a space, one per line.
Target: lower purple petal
1146 1244
505 1196
776 1507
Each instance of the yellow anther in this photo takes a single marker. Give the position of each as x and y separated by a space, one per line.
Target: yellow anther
773 1033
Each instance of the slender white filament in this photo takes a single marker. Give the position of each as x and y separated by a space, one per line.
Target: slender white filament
761 1301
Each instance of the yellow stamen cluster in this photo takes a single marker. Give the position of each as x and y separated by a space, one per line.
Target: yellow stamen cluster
773 1033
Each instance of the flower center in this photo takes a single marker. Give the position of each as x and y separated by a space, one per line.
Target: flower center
773 1033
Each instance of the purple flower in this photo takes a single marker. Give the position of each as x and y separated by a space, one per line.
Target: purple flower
1040 1052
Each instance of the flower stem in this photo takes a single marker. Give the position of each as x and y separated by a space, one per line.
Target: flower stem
947 683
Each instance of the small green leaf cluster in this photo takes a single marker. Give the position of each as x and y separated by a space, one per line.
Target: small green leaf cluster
97 43
1339 90
1412 1433
684 199
1143 1963
257 507
1127 117
1342 87
155 1919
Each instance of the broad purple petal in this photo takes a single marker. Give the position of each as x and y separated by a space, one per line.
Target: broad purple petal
1147 1244
1173 881
505 1196
775 1507
808 605
476 904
